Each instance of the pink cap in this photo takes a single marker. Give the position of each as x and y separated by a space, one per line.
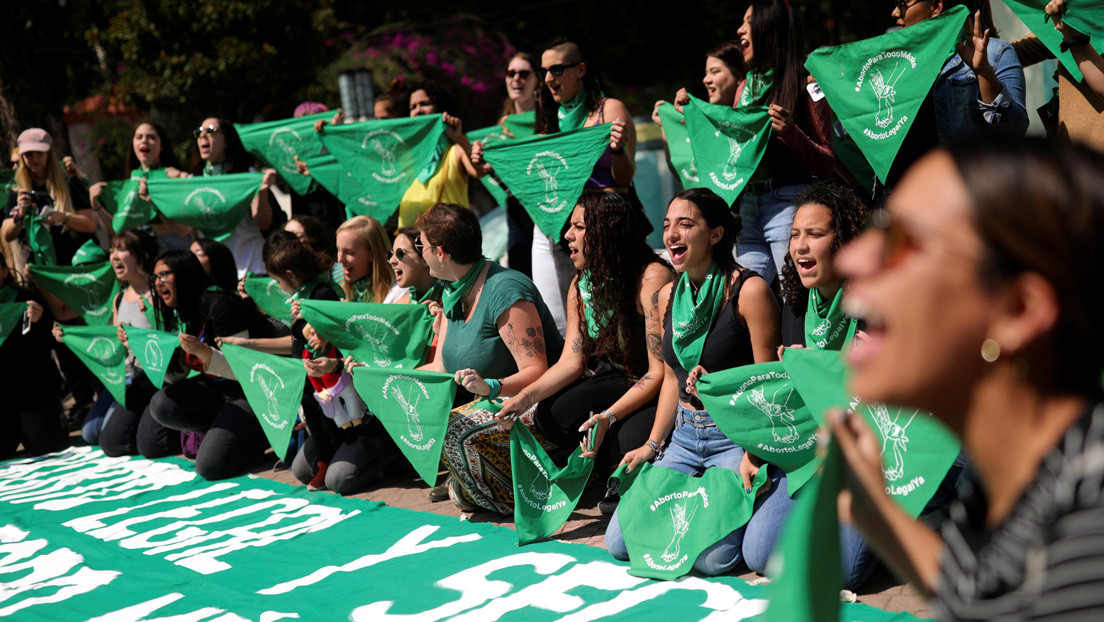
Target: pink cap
306 108
34 139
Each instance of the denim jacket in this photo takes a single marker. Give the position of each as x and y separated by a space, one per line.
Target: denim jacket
958 105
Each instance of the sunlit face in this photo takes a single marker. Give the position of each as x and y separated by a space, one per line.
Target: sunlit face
565 87
688 237
122 261
201 255
719 81
420 104
147 145
409 267
355 257
576 238
811 238
912 12
296 227
164 283
36 162
521 80
428 255
744 34
382 110
916 285
212 147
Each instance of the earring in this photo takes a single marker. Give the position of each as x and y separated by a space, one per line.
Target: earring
990 350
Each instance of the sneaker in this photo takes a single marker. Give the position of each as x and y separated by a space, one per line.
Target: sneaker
613 495
318 482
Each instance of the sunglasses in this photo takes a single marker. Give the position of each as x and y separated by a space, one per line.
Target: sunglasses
402 253
522 74
904 6
557 70
210 129
420 248
897 243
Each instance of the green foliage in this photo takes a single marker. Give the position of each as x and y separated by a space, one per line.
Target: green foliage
112 141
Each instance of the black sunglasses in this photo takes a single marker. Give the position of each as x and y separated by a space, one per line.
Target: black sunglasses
557 70
200 131
520 73
402 253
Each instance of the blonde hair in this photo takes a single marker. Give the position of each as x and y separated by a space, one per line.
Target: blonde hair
57 182
370 234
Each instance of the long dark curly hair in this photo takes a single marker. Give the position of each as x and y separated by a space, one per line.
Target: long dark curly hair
617 254
547 122
848 219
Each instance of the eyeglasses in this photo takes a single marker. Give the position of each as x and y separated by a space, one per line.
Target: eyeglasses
420 248
522 74
402 253
557 70
896 243
163 276
210 129
903 6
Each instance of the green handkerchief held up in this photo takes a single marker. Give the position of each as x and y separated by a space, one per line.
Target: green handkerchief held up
728 144
214 204
273 385
277 143
88 288
521 126
266 293
413 405
40 241
1087 16
99 349
547 174
10 315
544 495
876 85
378 335
759 408
128 210
678 145
154 350
668 518
381 159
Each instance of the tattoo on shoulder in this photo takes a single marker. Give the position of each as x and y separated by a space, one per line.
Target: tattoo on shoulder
655 345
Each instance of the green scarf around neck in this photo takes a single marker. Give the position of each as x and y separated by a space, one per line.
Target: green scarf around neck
586 293
454 292
433 293
210 170
573 114
826 326
692 314
757 88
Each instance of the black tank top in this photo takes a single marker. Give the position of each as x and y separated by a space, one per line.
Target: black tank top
727 345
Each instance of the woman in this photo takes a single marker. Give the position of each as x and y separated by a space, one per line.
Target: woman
521 85
445 177
613 314
411 271
362 252
742 328
724 69
186 300
217 262
218 150
496 336
320 237
977 309
801 142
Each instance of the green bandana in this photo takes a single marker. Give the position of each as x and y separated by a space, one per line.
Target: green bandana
10 315
214 205
99 349
327 171
40 241
1086 17
120 199
693 313
678 145
877 85
826 326
728 144
548 173
88 288
544 494
212 170
586 292
273 386
434 161
521 126
413 405
757 88
267 295
277 143
433 293
379 335
572 115
760 409
89 252
917 450
454 292
154 350
669 518
380 159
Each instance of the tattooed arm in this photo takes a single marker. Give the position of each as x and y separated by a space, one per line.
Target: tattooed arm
519 326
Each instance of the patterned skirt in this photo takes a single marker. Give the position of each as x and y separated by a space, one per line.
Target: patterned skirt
477 454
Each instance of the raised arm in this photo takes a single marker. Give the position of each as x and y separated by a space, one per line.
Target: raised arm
622 141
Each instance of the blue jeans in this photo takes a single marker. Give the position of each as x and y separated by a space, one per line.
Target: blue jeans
766 220
102 409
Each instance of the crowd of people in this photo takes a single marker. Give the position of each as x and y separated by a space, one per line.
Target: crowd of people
970 297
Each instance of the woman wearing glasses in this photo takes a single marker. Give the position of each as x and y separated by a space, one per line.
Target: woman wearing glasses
521 85
981 307
411 270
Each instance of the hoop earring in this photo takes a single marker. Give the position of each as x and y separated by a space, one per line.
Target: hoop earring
990 350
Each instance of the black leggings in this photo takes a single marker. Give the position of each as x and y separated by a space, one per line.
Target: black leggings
233 437
132 430
32 421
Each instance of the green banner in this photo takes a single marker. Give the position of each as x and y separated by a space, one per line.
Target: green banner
378 335
11 315
544 495
413 405
917 449
806 564
668 518
760 409
728 144
678 145
128 211
89 252
266 293
87 537
273 385
521 125
547 173
154 350
381 159
88 288
277 143
214 205
876 85
1086 17
99 349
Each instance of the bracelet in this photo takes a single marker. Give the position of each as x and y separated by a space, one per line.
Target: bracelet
495 387
610 417
654 446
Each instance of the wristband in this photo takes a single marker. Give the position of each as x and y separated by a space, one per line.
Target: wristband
610 417
654 446
495 387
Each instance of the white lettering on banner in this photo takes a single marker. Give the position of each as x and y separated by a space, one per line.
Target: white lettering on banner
54 576
139 613
411 544
727 604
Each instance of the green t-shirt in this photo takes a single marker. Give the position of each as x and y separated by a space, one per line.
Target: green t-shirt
477 344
